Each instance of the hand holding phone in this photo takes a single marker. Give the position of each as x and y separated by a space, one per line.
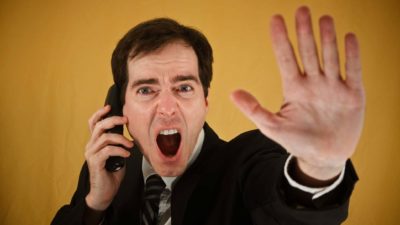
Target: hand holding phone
105 143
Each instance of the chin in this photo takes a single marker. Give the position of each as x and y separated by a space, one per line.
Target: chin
169 171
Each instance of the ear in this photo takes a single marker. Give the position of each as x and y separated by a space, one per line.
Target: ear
123 110
206 98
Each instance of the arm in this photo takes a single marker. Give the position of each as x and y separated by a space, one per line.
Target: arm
74 212
268 196
97 187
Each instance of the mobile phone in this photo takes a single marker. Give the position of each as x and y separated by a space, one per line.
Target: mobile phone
114 163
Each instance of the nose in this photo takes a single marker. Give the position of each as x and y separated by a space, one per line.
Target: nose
167 104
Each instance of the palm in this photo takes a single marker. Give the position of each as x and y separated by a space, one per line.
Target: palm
321 119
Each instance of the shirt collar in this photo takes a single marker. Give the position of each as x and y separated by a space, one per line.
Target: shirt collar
148 170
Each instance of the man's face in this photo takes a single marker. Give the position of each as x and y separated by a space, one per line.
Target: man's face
165 106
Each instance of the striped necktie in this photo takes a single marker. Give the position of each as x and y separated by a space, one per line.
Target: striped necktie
154 187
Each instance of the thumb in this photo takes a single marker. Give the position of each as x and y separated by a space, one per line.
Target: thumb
248 104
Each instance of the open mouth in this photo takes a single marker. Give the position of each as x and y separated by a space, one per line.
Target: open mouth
168 142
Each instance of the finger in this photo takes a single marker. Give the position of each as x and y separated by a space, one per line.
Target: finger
330 55
283 49
96 117
100 158
306 42
249 105
353 61
107 124
110 139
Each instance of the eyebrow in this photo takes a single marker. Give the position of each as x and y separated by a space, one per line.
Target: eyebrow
178 78
144 81
185 78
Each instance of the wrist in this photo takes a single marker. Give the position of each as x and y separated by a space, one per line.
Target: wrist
96 205
312 175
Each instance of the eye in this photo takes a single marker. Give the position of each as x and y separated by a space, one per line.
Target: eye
145 91
185 88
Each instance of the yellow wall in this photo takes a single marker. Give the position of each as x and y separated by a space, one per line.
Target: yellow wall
55 70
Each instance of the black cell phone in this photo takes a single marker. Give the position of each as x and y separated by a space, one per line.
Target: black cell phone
114 163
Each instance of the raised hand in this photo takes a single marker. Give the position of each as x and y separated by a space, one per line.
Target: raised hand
321 119
103 184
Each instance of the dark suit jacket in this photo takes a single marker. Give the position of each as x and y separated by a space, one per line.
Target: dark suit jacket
237 182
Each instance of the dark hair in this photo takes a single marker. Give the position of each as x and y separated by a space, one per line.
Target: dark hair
150 36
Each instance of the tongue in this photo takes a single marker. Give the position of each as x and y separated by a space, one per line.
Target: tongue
169 144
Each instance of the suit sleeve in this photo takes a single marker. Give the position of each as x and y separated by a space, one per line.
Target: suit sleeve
270 199
74 212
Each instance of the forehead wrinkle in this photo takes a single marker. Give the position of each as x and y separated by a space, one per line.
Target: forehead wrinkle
162 60
152 62
175 69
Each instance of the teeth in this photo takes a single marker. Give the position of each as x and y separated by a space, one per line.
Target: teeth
168 132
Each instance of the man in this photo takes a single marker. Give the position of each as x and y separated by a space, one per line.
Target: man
164 71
